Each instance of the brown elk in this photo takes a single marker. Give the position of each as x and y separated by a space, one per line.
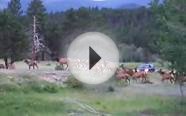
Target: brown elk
167 76
31 63
134 74
121 74
2 66
140 75
129 71
63 61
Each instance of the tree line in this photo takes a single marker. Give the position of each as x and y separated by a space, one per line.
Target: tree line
132 27
139 33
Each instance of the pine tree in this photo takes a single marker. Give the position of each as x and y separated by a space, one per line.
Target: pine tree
13 42
171 19
37 9
14 7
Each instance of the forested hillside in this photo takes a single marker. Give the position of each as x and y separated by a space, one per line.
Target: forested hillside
132 29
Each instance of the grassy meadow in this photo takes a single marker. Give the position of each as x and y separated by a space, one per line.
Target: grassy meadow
28 96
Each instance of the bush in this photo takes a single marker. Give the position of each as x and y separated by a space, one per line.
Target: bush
132 53
29 82
6 87
111 89
26 83
39 86
48 64
50 88
6 84
74 83
59 67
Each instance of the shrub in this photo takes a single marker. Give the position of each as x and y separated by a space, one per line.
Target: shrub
39 86
50 88
48 64
8 87
74 83
32 83
26 83
59 67
111 89
131 53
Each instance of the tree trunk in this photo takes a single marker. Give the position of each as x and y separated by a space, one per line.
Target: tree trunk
12 61
146 55
181 91
42 55
179 80
6 62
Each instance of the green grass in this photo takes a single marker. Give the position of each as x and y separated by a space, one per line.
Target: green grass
47 104
27 96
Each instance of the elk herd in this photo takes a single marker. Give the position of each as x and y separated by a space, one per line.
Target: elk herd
122 73
32 64
127 74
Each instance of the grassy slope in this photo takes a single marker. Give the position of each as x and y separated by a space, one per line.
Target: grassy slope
29 97
47 104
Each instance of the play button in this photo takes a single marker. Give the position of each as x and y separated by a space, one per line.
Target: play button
93 58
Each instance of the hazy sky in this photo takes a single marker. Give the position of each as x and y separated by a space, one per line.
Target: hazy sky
60 5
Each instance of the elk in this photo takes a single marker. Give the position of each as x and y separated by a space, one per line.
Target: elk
2 66
167 76
122 75
63 61
31 63
137 75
